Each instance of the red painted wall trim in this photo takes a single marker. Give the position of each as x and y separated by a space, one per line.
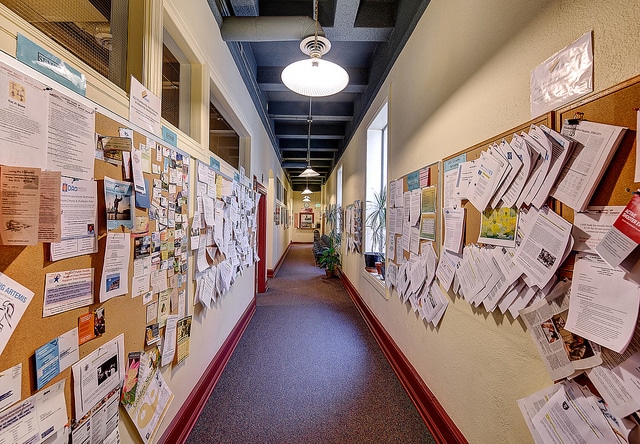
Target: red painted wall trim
185 419
433 414
271 272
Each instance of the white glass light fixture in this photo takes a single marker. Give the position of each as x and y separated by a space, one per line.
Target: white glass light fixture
306 199
315 77
307 191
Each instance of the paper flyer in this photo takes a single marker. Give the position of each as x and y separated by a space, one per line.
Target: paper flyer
100 424
85 327
97 374
624 236
131 379
152 400
55 356
10 386
40 418
79 229
118 197
67 290
23 136
115 270
19 205
498 227
14 300
184 335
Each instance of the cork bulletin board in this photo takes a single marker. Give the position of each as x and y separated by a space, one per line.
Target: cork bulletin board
423 180
473 216
124 314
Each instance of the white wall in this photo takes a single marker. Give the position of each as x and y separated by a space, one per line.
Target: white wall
304 235
462 78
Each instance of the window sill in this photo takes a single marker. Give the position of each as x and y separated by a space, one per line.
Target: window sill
376 282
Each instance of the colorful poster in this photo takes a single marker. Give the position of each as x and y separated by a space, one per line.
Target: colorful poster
118 197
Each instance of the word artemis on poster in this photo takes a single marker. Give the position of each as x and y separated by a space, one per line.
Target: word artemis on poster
11 292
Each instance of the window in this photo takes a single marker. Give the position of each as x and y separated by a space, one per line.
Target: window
339 186
339 198
376 181
176 85
223 140
97 32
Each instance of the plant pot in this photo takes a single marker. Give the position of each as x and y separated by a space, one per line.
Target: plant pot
330 273
379 268
370 259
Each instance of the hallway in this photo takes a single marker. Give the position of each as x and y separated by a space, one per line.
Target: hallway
307 370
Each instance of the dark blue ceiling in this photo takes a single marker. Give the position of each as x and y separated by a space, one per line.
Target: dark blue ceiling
366 37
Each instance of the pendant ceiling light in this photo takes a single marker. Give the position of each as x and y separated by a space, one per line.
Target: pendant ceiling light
307 191
306 199
315 77
309 172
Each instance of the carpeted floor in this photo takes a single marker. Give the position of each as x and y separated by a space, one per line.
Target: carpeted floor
307 370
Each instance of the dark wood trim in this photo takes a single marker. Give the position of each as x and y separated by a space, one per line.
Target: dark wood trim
433 414
185 419
271 272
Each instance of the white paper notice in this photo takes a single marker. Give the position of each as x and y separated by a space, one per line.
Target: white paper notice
169 343
590 227
71 137
66 290
38 419
138 176
144 108
14 300
95 375
10 386
79 230
604 306
571 417
543 247
454 219
115 271
23 120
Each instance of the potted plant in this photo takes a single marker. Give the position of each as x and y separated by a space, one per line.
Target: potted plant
376 221
329 259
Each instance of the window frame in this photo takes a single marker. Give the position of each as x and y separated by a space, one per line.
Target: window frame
378 127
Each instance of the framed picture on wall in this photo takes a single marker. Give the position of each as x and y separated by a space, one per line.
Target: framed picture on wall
306 220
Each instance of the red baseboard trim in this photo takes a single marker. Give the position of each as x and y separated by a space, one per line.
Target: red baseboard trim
271 272
433 414
185 419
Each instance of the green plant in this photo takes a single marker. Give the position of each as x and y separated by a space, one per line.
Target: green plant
331 217
329 258
377 219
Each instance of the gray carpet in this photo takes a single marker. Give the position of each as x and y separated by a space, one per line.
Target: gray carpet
307 370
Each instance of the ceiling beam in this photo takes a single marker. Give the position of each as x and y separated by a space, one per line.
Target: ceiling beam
298 118
313 150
